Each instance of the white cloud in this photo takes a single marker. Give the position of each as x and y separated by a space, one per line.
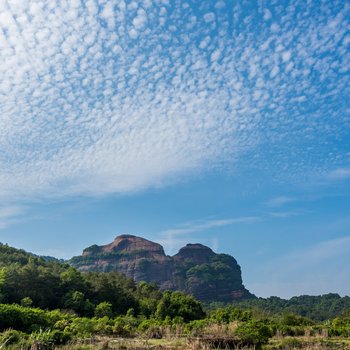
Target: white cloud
9 215
100 99
174 238
280 201
209 17
140 20
206 225
286 56
267 14
283 214
339 174
275 70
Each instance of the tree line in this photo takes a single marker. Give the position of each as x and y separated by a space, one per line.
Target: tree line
49 301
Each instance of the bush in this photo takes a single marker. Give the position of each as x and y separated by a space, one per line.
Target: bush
23 318
27 302
125 326
12 336
151 329
60 337
230 314
82 327
178 304
44 338
254 333
103 309
103 326
196 328
291 343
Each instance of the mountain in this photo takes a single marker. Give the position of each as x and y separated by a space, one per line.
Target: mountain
195 269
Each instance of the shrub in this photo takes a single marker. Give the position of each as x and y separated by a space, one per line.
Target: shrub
44 338
12 336
254 333
197 327
103 309
103 326
82 327
22 318
60 337
178 304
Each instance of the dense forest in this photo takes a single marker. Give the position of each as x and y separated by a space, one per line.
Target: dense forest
318 308
47 302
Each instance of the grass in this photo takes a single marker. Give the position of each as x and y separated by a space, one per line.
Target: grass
182 343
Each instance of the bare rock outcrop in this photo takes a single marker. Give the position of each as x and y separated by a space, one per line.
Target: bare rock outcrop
195 269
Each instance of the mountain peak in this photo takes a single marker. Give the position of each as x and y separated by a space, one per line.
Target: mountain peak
195 269
196 252
127 243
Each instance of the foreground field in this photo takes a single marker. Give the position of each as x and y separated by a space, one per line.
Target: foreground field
189 343
184 343
26 328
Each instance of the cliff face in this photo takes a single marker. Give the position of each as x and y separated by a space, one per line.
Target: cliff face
195 269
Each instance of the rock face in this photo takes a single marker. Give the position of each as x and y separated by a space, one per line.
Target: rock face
195 269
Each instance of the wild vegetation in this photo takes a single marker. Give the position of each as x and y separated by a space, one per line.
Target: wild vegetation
46 304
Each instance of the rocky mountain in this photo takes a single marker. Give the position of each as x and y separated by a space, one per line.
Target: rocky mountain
195 269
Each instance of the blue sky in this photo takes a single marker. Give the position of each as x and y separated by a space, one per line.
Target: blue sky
220 122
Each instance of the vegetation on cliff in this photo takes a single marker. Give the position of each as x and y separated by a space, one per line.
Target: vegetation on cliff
195 269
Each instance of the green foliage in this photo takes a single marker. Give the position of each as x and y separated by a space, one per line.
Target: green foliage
340 326
50 284
11 255
230 314
42 337
221 273
27 302
77 302
290 319
151 328
254 333
22 318
2 282
125 326
50 338
103 326
104 309
148 296
289 343
196 328
317 308
34 292
112 287
12 336
60 337
82 327
178 304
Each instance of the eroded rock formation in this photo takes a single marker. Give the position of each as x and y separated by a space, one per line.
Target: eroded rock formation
195 269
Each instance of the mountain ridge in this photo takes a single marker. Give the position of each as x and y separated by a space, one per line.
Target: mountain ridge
195 269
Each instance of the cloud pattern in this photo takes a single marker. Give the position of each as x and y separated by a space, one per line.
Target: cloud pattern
101 97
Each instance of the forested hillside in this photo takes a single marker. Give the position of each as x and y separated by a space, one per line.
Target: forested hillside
33 281
321 307
46 302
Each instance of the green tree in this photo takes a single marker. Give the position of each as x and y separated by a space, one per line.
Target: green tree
27 302
178 304
254 333
77 302
104 309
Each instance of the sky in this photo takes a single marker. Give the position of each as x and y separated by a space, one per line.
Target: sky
220 122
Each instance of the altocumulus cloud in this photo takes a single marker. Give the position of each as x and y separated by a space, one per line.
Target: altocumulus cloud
111 96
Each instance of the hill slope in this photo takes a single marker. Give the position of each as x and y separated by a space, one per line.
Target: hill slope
195 269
